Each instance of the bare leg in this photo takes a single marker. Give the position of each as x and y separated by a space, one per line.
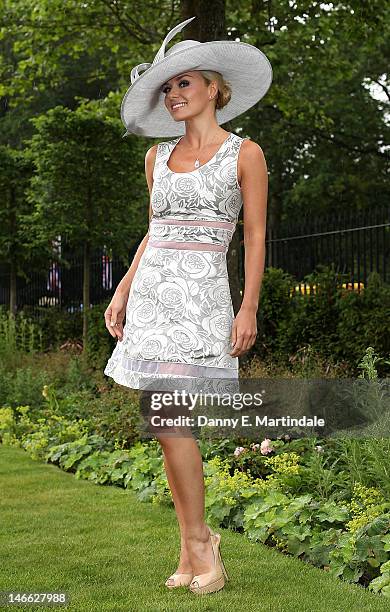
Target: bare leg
184 565
184 467
184 470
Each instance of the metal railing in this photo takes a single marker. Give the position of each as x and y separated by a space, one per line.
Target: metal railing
357 243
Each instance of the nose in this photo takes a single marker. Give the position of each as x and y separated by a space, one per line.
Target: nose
173 94
173 100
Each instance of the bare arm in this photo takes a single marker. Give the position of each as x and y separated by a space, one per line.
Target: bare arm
254 186
115 312
124 285
254 189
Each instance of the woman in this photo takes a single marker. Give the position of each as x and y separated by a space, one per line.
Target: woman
179 315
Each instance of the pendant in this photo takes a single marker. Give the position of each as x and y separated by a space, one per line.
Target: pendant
197 163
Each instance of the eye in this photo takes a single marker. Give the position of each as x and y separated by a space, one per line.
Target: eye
164 90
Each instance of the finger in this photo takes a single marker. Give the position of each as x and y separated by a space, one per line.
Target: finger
114 318
244 347
117 328
236 352
237 347
247 343
107 317
233 338
111 322
119 331
116 331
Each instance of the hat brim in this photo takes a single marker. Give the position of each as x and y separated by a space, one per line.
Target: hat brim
245 67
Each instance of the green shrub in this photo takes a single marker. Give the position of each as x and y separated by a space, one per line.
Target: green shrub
147 464
37 434
22 385
363 320
97 466
359 554
275 309
116 415
363 460
100 343
18 334
69 454
331 323
314 317
227 495
16 423
8 427
381 584
57 325
366 504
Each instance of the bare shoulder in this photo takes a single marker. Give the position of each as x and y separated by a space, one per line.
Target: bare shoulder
150 159
251 159
251 151
150 156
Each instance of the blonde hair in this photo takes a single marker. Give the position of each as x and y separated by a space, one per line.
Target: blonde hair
224 88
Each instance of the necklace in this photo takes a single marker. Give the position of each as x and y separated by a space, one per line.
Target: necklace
197 161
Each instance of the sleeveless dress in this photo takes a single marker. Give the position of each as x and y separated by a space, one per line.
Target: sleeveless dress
179 312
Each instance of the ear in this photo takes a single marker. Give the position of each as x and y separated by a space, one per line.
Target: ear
213 89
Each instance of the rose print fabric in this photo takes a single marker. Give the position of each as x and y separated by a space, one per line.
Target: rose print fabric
179 312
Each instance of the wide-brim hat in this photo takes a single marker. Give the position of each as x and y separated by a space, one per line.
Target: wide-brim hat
243 66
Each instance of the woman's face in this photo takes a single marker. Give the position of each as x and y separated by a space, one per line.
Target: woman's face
187 95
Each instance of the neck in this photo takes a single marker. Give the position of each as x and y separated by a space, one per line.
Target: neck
197 140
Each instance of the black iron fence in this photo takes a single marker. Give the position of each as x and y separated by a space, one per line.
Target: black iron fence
62 284
356 243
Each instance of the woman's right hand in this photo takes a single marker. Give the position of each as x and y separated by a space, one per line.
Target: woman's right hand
115 313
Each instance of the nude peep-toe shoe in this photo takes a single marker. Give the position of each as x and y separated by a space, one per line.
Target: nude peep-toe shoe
179 579
214 580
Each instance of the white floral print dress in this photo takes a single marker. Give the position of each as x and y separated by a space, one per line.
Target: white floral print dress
179 312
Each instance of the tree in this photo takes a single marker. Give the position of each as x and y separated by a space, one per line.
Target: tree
85 189
20 249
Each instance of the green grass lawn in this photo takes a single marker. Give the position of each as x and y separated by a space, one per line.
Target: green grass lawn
110 552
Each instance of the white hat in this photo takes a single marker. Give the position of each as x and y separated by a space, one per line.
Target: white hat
245 67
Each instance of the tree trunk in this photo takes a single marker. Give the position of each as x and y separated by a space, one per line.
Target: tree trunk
210 20
86 289
13 266
12 289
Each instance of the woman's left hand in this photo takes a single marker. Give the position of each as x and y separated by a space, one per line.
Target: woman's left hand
244 331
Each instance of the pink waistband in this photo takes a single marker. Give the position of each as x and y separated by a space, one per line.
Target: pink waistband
191 246
197 222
